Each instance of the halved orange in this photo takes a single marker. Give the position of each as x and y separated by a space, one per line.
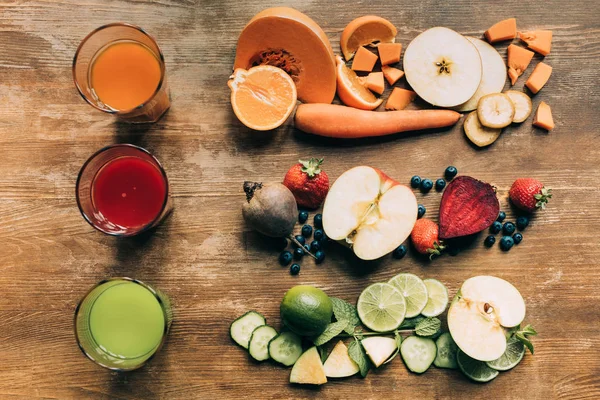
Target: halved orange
366 30
351 89
262 97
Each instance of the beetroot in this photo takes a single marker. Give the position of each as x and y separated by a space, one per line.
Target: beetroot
468 206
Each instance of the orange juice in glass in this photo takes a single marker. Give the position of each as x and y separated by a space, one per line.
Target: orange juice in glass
119 69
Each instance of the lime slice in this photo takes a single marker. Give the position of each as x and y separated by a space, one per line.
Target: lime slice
414 291
475 370
381 307
515 350
438 298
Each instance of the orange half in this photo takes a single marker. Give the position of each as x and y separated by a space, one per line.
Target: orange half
366 30
351 89
262 97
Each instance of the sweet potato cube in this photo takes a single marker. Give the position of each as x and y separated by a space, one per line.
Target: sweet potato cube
518 61
389 53
538 41
543 117
364 60
375 82
503 30
391 74
539 77
399 99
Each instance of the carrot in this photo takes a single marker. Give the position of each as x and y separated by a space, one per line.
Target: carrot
342 122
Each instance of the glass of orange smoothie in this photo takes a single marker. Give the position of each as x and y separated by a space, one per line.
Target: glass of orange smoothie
119 69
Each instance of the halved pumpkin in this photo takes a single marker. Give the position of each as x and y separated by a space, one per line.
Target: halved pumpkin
288 39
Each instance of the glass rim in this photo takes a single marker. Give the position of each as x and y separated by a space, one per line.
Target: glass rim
161 59
145 227
145 286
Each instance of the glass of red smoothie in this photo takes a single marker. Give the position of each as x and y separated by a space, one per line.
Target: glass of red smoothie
122 190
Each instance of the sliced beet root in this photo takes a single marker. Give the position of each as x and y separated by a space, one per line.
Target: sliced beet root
468 206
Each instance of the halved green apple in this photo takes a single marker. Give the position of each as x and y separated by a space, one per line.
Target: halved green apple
481 310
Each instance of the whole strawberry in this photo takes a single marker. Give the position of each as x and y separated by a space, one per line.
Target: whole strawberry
308 183
424 237
529 194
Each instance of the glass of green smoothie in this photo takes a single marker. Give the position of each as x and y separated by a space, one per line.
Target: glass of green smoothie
121 323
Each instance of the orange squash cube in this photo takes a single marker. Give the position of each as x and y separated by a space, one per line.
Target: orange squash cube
375 82
364 60
389 53
518 60
391 74
503 30
538 41
399 99
539 77
543 117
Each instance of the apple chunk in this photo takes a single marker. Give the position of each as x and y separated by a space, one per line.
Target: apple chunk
370 212
479 314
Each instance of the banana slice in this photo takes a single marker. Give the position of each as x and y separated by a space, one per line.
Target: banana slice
522 103
495 110
480 135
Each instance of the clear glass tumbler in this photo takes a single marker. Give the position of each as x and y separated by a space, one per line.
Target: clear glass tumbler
123 190
121 323
93 45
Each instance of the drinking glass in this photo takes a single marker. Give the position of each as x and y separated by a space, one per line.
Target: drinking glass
121 323
86 192
93 45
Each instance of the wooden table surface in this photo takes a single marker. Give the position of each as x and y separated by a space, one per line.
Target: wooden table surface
213 267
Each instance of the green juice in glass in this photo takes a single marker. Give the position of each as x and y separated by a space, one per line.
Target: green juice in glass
127 321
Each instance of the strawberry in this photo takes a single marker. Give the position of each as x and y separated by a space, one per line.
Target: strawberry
424 237
308 183
529 194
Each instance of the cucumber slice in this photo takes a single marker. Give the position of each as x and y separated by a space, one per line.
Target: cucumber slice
241 329
285 348
259 342
446 352
418 353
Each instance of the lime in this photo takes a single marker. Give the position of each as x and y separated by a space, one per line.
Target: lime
381 307
414 291
515 350
474 369
306 310
438 298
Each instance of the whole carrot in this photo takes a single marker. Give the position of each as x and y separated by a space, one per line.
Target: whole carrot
350 123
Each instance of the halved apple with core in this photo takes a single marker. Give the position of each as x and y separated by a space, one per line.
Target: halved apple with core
370 212
481 310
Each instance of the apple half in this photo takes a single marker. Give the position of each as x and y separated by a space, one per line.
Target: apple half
481 310
370 212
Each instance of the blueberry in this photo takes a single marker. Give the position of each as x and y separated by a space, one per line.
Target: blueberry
295 269
453 250
506 243
522 223
306 247
318 220
440 184
298 253
302 216
399 252
517 238
501 216
450 172
300 239
306 231
415 181
422 210
280 243
320 256
315 246
319 234
426 185
496 227
285 258
508 228
489 241
323 240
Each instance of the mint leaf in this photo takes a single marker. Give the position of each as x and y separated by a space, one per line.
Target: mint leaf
332 330
322 354
428 327
410 323
398 340
357 353
523 339
529 331
344 310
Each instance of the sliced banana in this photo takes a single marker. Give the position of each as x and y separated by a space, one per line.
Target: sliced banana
480 135
495 110
522 103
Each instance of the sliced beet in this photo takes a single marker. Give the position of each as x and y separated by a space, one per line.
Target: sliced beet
468 206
